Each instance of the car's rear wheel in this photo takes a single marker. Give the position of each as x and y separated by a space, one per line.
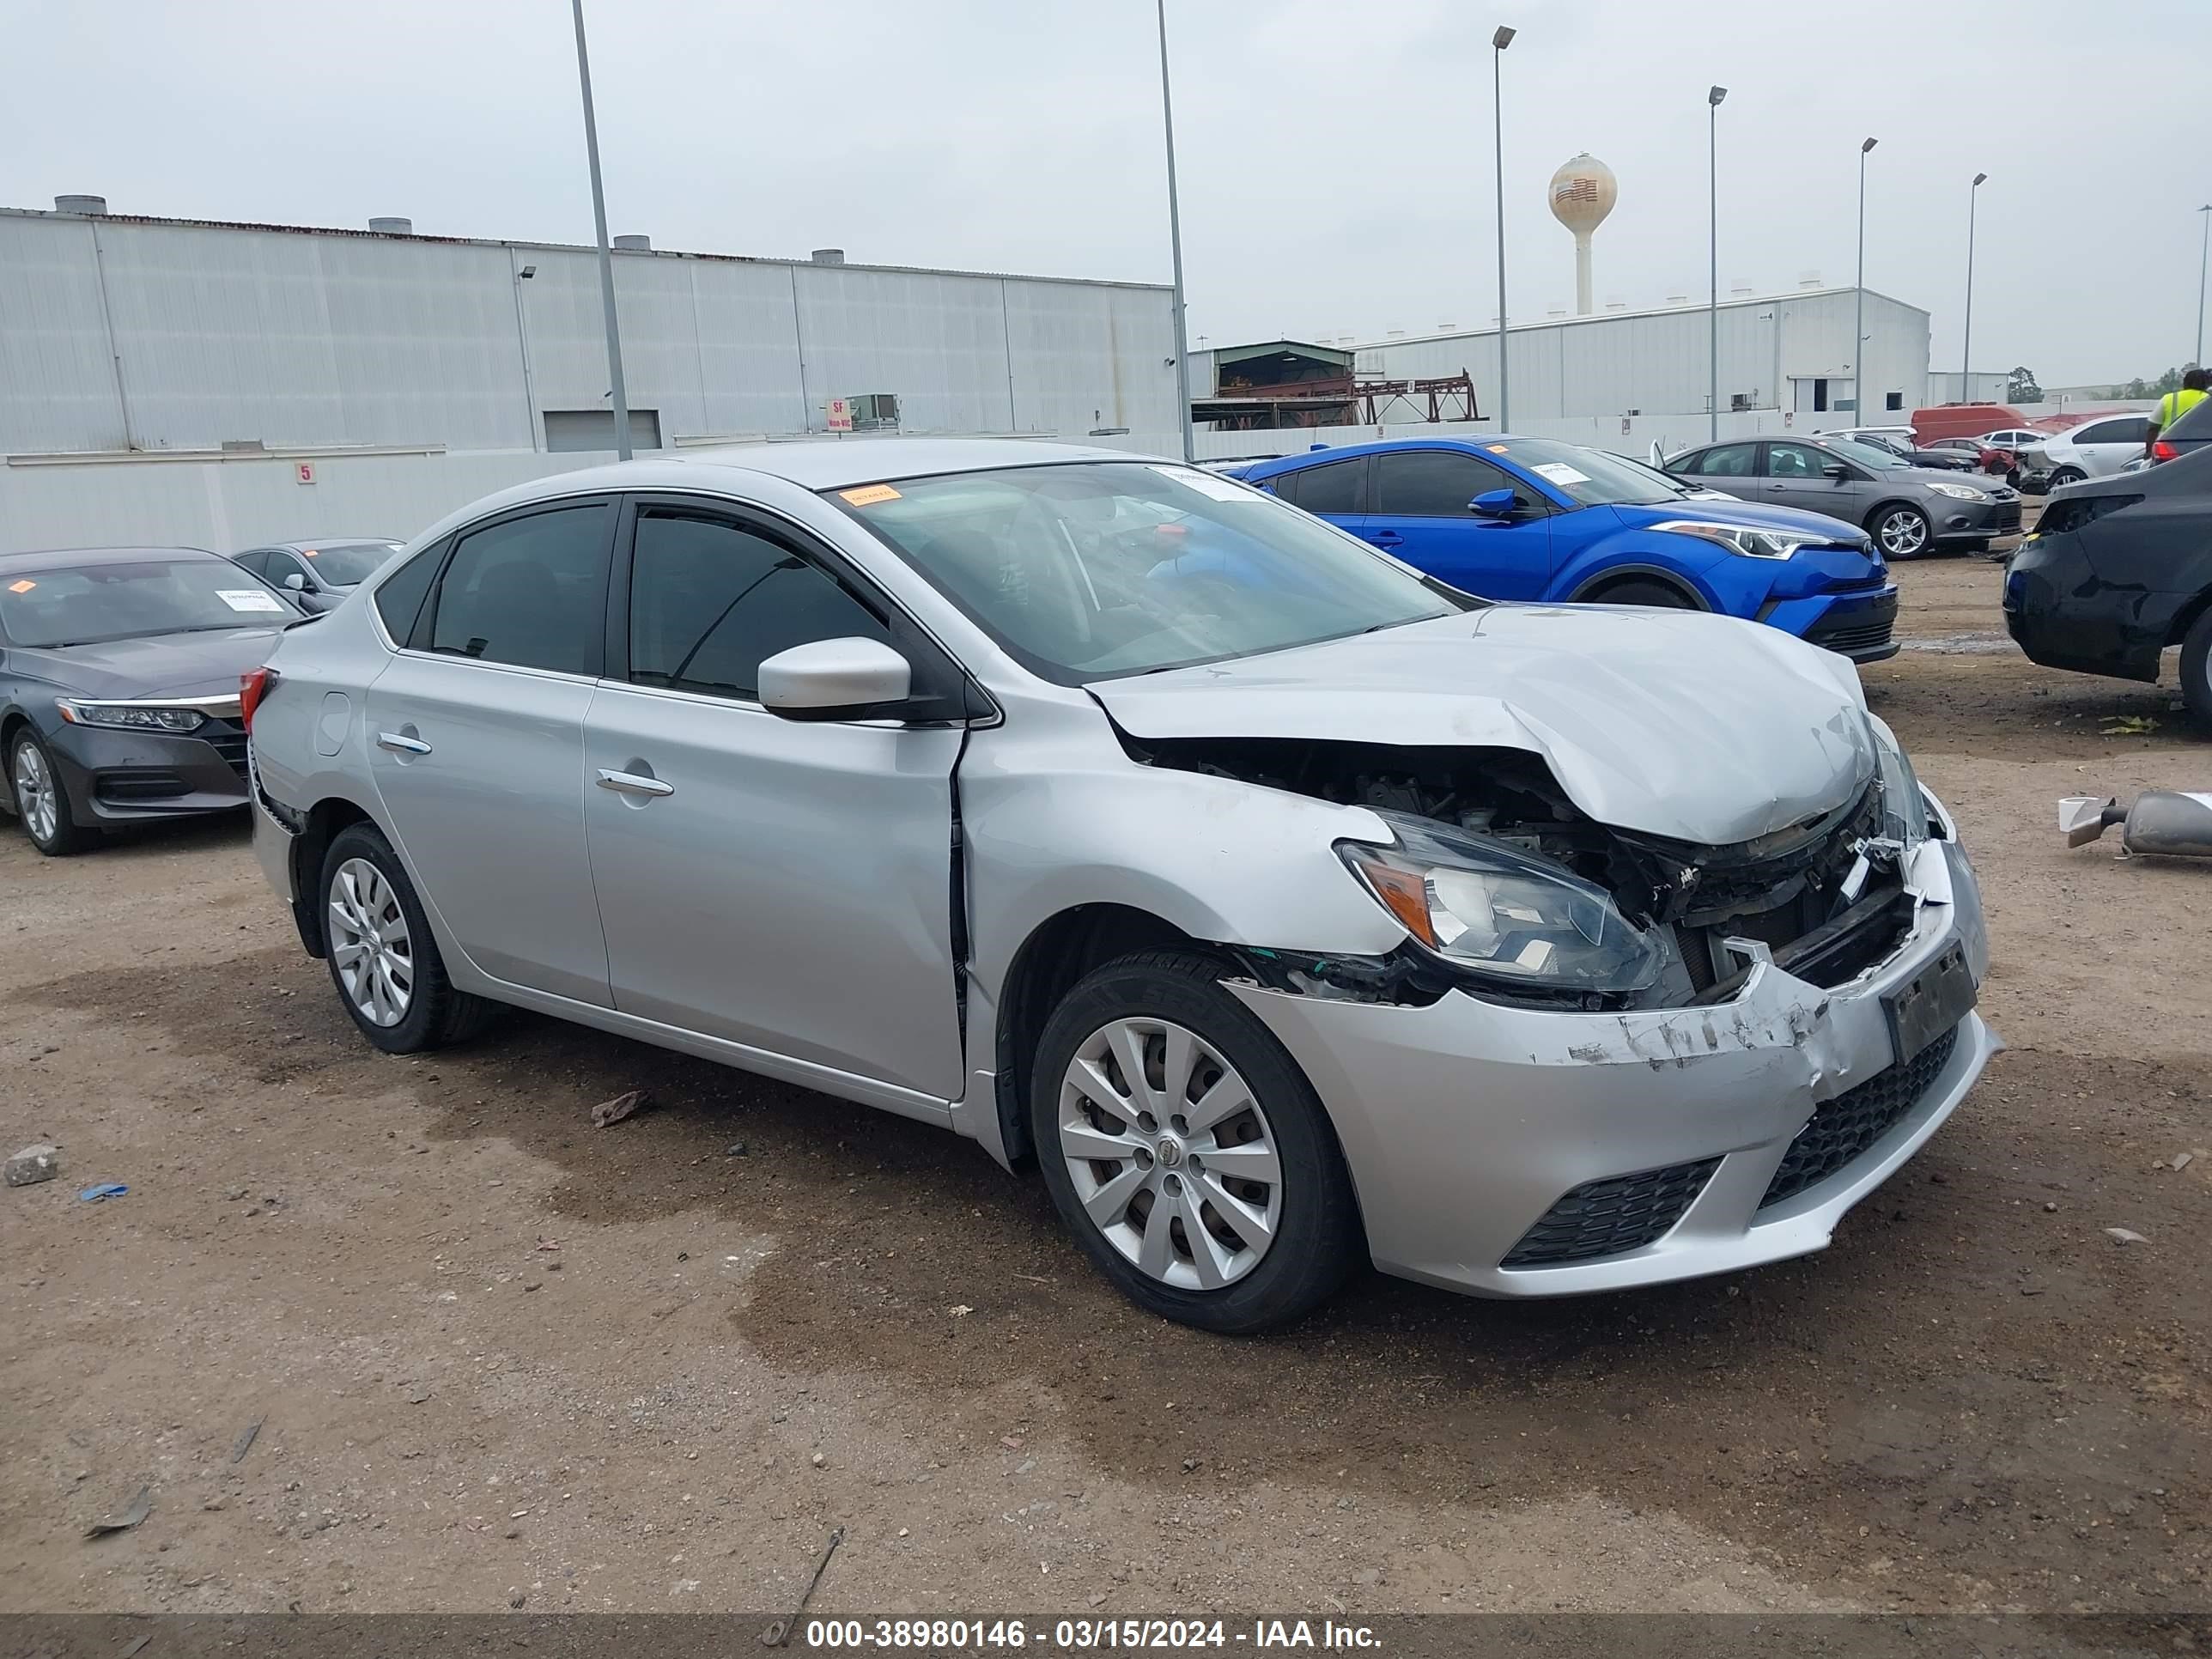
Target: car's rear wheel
2196 670
1186 1150
40 800
1900 530
2064 476
382 958
1657 595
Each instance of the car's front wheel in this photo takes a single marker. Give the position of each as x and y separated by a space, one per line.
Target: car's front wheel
1657 596
40 800
2197 671
1901 531
382 958
1186 1150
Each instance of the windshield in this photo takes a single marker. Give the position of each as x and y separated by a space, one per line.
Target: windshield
1866 455
1100 569
343 564
1593 478
90 604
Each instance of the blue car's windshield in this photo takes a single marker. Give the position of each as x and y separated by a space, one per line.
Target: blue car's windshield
1100 569
1591 477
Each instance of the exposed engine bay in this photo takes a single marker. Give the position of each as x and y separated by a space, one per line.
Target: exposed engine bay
1823 898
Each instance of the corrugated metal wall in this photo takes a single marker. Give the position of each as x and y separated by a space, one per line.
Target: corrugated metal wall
224 332
1660 361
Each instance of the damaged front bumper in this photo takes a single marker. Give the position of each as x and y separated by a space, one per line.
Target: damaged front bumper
1513 1152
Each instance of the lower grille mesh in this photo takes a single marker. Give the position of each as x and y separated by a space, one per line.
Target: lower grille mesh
1840 1129
1613 1216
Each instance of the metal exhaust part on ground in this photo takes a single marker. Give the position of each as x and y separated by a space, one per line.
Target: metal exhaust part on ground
2170 822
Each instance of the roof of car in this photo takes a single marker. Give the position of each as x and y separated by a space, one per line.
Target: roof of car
330 541
834 463
46 560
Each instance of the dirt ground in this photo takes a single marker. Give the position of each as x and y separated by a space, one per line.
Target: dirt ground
500 1358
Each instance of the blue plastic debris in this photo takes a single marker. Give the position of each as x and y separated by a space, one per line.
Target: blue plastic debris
94 1194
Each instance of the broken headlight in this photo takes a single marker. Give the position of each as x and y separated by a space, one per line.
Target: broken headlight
1903 808
1507 915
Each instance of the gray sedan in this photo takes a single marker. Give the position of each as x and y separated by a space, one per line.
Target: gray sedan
119 671
1284 907
318 574
1908 510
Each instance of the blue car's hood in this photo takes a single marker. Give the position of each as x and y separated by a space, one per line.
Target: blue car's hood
1756 514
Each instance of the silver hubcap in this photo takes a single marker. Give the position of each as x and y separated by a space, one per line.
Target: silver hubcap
1172 1158
1903 534
35 793
370 944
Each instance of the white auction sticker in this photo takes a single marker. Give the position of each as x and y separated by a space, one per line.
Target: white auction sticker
249 598
1220 489
1559 472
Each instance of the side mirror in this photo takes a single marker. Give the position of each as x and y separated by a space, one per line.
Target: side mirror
1494 504
852 679
1836 470
296 582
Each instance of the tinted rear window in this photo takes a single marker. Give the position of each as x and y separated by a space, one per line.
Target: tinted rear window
1333 488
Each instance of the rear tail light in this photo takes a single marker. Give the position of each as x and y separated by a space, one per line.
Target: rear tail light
2163 451
252 687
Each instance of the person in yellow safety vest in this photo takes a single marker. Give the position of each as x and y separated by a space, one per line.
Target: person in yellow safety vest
2195 385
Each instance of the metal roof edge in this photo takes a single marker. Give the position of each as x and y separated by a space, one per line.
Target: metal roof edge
567 247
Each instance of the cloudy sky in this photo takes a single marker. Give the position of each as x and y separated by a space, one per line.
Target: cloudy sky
1335 153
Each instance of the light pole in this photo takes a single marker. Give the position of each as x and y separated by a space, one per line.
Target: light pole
1966 346
2202 260
1175 243
1498 41
1713 247
1859 313
615 393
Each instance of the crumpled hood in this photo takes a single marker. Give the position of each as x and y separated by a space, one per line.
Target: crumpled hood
1674 723
194 665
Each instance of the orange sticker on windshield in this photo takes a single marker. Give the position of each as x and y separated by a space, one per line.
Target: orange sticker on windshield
308 552
1497 449
23 587
869 495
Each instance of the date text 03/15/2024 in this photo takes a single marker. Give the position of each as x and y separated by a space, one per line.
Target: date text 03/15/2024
1082 1635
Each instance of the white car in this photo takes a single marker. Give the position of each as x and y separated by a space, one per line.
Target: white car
2096 449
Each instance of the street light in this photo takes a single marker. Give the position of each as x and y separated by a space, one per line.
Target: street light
616 393
1858 325
1175 243
1713 308
1966 346
2202 259
1499 40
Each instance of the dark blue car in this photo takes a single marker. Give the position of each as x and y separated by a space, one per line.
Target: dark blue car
1534 518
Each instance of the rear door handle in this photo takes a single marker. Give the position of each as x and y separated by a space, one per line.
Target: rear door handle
628 783
399 744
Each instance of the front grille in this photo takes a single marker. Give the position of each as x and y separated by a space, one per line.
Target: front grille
227 737
2008 518
1840 1129
1613 1216
1861 627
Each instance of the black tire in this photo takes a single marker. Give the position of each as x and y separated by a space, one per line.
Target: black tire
66 835
1659 596
2064 476
1317 1239
437 1014
2196 670
1904 524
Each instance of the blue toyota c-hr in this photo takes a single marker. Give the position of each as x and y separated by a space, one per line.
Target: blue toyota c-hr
1534 518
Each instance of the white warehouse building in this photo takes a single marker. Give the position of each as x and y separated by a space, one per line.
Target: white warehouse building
171 380
1790 352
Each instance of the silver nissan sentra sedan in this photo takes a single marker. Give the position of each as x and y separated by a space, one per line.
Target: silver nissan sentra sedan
1282 905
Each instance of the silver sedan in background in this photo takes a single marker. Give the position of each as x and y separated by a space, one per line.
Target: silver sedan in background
1908 510
1284 908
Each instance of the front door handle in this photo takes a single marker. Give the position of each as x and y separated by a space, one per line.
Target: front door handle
628 783
1386 539
400 743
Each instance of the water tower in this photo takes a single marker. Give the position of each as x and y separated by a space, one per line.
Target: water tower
1582 192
